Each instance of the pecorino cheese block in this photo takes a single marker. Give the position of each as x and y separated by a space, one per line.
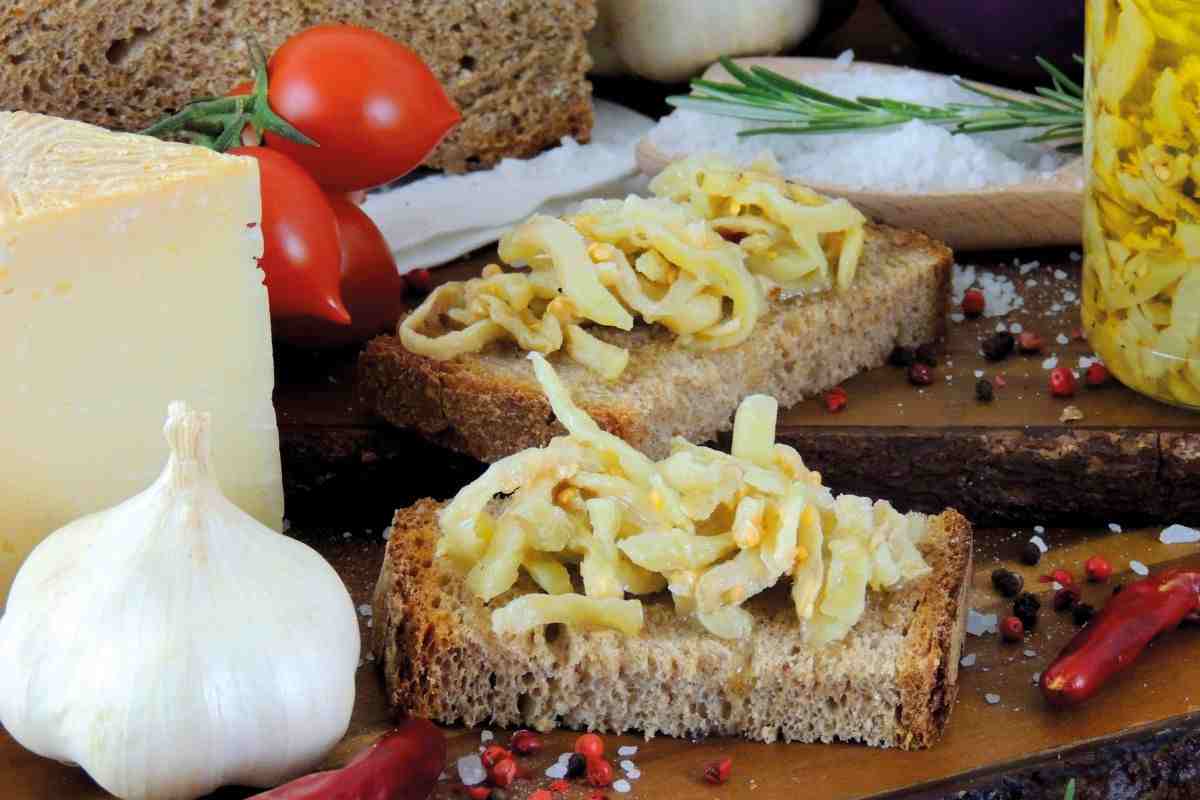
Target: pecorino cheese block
128 279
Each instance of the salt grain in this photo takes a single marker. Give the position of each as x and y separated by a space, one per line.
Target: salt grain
1139 568
992 699
365 610
1016 327
621 785
1114 527
1062 338
471 771
1050 363
486 736
627 765
1030 653
844 59
387 533
633 774
1076 256
980 624
916 156
1038 529
956 317
1028 268
1060 275
1037 676
1039 542
1031 283
347 535
629 749
968 660
557 770
1000 328
1179 534
978 373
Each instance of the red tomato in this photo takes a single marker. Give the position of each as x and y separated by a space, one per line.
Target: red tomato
371 104
371 287
301 255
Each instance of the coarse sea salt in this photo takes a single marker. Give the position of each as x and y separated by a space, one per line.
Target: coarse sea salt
1000 295
1039 529
1062 338
1114 527
978 373
1050 363
980 624
1139 568
1039 543
629 749
557 770
621 785
627 765
1076 256
992 699
968 660
1030 653
633 774
916 156
1179 534
1028 268
1060 275
471 771
1016 327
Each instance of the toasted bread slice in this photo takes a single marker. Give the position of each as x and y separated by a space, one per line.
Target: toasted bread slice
488 405
891 682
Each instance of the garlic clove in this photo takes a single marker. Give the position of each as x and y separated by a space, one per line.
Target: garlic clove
173 644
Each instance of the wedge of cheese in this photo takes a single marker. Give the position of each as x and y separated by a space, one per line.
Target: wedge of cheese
128 279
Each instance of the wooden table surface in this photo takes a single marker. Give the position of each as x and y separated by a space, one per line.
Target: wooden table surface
1159 695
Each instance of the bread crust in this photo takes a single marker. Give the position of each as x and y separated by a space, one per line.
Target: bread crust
470 405
440 659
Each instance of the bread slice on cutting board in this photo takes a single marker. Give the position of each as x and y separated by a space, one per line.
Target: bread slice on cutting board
489 405
891 682
515 68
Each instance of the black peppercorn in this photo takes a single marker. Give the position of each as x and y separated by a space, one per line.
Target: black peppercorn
576 765
1066 598
1025 608
1117 589
983 391
1007 583
1031 554
920 375
926 355
902 356
998 346
1082 614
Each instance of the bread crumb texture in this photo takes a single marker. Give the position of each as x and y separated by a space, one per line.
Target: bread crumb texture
890 683
516 68
489 404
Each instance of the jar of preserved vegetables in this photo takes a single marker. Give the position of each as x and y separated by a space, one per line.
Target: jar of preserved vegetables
1141 279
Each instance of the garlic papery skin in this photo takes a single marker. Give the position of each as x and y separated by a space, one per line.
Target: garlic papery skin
173 644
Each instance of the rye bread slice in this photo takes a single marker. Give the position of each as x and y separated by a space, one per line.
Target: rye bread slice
890 683
488 405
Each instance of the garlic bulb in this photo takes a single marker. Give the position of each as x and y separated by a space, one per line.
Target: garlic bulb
672 40
173 644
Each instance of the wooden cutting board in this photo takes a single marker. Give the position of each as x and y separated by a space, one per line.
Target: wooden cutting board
1013 461
1160 693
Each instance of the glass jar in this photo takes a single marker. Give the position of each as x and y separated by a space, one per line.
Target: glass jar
1141 278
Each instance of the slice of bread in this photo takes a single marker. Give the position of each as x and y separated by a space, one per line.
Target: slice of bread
489 405
891 682
515 68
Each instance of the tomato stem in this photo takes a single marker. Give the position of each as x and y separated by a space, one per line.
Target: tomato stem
228 116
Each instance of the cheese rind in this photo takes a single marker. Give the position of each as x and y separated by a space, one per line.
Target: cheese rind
128 279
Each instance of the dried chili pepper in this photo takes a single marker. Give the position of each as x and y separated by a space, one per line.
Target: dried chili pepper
403 765
1115 636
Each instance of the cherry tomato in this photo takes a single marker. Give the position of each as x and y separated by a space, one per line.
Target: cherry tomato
371 287
371 104
301 255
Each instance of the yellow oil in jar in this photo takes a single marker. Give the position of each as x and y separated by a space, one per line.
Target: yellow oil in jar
1141 280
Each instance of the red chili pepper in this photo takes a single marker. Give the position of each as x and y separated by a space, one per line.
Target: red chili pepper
1058 576
718 771
480 792
1029 342
1114 638
404 764
999 381
1098 569
420 280
836 399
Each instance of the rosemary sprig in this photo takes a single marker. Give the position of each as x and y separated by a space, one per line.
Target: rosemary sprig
762 95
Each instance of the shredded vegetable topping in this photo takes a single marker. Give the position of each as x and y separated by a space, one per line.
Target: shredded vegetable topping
699 258
590 512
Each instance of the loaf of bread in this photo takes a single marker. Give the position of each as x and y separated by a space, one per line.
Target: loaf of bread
489 405
515 68
891 682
